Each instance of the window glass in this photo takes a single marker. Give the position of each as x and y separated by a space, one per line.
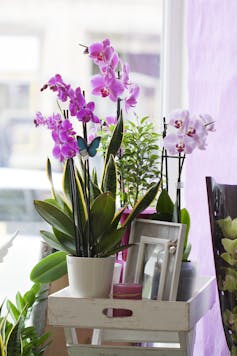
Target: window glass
38 41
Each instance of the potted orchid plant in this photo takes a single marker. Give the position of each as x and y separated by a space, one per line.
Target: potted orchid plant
84 221
188 133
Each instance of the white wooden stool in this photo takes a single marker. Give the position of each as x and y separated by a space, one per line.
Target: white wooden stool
162 322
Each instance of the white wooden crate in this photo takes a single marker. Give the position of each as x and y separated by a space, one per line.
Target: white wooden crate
152 319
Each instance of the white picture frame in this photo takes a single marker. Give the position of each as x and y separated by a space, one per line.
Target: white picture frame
145 231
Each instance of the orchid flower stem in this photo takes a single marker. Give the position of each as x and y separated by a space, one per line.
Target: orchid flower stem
73 190
87 195
164 157
178 190
121 181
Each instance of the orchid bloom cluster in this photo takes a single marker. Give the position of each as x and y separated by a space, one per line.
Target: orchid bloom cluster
191 132
108 83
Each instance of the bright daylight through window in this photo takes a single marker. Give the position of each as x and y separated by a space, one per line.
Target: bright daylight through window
38 42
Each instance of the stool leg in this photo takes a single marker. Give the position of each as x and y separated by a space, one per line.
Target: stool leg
96 337
70 335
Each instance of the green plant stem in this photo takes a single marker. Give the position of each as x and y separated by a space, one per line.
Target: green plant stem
76 220
73 190
178 189
87 196
121 182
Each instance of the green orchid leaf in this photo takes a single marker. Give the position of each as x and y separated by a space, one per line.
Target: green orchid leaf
116 250
50 268
94 177
109 182
61 204
164 203
117 218
228 227
142 204
109 241
50 177
68 170
185 219
55 217
94 190
52 240
186 252
116 139
102 213
68 244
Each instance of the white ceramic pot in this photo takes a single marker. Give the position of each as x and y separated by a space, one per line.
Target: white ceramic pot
90 277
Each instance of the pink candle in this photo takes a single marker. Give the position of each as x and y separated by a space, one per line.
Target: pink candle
126 291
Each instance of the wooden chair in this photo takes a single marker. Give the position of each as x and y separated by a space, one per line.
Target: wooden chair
222 202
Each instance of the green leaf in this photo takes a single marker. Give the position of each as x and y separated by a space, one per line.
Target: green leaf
20 302
109 182
94 190
116 139
50 268
49 174
185 219
68 244
229 259
117 218
109 241
186 252
164 203
55 217
14 339
82 212
102 213
117 249
142 204
13 310
230 246
31 295
52 240
61 204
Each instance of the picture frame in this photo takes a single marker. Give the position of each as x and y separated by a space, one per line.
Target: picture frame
152 232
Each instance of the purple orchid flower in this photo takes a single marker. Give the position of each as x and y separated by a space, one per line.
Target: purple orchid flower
195 129
39 119
65 143
106 86
208 122
56 84
102 53
131 99
86 114
125 75
178 117
111 120
175 143
191 132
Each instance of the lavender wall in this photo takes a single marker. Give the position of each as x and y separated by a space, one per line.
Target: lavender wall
212 51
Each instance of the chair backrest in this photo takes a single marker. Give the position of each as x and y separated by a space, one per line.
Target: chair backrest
222 202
